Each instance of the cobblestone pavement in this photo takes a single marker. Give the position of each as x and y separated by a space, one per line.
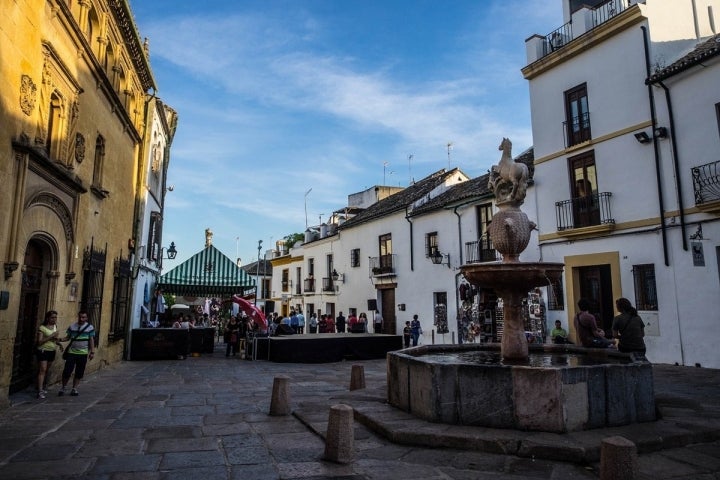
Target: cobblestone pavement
207 418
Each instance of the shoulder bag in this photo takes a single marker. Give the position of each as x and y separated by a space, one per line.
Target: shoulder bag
72 339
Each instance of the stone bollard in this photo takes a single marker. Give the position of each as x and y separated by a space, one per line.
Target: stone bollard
280 401
618 459
340 436
357 377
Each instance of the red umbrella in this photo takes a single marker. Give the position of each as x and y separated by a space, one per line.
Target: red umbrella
252 311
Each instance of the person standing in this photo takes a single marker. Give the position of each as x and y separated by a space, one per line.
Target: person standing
377 322
629 328
294 322
313 323
81 348
340 323
588 332
47 342
407 334
415 330
232 336
301 322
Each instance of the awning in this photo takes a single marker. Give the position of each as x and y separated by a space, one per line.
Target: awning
208 273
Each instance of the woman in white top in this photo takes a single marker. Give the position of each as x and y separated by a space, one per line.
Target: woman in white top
47 343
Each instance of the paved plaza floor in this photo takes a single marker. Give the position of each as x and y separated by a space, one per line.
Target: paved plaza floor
207 418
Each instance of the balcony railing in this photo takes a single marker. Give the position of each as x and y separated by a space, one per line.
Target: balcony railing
577 130
587 19
285 284
558 38
382 265
706 183
328 285
309 285
587 211
480 251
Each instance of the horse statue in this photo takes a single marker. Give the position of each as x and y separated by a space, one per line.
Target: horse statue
508 173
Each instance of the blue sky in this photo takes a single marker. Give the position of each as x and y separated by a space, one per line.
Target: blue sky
278 97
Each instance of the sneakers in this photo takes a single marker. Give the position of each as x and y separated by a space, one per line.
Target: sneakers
61 392
74 393
41 394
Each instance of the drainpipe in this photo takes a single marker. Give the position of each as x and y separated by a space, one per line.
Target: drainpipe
651 99
412 257
676 161
459 222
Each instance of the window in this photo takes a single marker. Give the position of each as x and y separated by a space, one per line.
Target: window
54 139
431 244
584 190
298 281
355 257
717 114
122 289
99 159
556 296
385 247
645 289
153 242
577 116
285 279
486 252
311 267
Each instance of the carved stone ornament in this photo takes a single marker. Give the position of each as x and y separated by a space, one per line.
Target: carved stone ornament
28 94
79 147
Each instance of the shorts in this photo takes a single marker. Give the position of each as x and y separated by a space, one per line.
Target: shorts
76 362
45 355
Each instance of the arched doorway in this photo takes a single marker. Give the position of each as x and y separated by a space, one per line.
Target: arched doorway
29 314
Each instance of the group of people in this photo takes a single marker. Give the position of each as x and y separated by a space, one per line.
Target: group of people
412 331
76 354
628 329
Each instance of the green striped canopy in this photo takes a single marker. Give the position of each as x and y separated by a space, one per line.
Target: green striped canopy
208 273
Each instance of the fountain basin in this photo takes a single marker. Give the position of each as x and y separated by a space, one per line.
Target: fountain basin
515 276
574 388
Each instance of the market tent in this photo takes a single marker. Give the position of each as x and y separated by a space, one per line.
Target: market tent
208 273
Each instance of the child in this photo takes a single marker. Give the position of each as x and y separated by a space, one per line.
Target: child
407 333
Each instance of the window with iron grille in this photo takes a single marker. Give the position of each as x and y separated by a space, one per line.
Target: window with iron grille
355 257
645 289
431 244
93 282
153 241
285 280
120 300
556 296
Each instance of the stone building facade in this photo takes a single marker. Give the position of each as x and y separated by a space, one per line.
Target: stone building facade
74 84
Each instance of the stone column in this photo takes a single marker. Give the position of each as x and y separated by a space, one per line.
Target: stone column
618 459
280 401
340 437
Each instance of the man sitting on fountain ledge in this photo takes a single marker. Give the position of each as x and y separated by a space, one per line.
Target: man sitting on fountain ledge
590 335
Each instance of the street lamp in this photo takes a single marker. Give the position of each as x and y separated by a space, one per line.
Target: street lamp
257 273
171 253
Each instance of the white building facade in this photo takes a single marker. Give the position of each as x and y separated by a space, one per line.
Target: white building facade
614 180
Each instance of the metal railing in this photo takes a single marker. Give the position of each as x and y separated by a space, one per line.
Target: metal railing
328 285
706 182
480 251
584 211
577 130
382 265
557 38
604 12
309 285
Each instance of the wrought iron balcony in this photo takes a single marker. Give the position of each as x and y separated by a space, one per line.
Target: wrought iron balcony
309 285
588 211
587 19
481 251
577 130
382 265
706 186
328 285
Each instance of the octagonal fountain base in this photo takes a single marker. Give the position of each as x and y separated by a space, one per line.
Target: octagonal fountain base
557 389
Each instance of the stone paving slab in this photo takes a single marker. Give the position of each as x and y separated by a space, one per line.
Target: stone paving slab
207 418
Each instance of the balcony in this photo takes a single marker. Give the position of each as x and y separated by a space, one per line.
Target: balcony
328 286
481 251
582 21
577 130
585 216
309 285
706 186
382 265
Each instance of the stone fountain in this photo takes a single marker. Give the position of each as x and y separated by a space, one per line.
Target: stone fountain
552 388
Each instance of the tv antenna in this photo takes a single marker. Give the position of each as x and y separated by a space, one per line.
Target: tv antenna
449 149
